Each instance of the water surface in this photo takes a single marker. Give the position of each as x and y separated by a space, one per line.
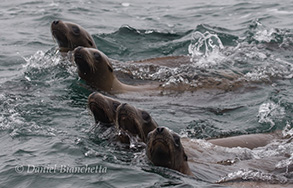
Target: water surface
45 123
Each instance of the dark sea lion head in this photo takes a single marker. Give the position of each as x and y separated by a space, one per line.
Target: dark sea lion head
69 36
135 121
94 67
164 149
103 108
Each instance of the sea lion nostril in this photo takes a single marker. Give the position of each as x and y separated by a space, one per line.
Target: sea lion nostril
55 22
78 49
160 129
77 55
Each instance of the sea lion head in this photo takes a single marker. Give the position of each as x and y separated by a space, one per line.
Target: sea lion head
103 108
94 67
164 149
135 121
69 36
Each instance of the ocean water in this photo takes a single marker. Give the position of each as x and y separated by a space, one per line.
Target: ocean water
47 137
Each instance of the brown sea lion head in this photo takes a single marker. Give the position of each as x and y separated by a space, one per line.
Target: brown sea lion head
103 108
69 36
135 121
164 149
94 67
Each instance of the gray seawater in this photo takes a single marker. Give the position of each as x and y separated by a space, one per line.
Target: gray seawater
46 128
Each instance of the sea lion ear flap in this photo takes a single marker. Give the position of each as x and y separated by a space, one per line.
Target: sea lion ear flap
90 42
115 105
110 67
185 156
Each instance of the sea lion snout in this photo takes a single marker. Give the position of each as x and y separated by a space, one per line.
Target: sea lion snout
81 59
136 121
103 108
127 119
70 35
78 49
94 67
158 132
160 129
165 149
77 53
55 22
57 26
158 147
123 109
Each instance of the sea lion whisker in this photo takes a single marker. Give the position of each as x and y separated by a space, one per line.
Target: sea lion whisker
70 43
90 63
159 140
54 38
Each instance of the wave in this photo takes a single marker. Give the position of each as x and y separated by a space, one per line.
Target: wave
252 165
253 58
148 43
29 96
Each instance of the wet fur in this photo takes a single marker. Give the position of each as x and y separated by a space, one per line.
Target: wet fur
70 35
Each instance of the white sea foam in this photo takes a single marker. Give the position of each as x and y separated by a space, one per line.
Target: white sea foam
263 34
125 4
270 112
41 60
205 50
253 175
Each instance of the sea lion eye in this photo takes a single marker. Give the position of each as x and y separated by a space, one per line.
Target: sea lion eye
115 105
90 43
97 56
176 140
145 115
75 30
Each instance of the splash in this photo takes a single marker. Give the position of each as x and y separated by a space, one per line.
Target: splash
42 60
285 163
203 44
276 68
263 34
253 175
205 49
260 33
11 120
270 113
185 74
213 63
288 131
24 96
50 66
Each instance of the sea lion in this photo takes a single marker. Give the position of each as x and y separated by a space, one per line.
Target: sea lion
70 35
95 68
135 121
165 148
249 141
128 120
103 108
